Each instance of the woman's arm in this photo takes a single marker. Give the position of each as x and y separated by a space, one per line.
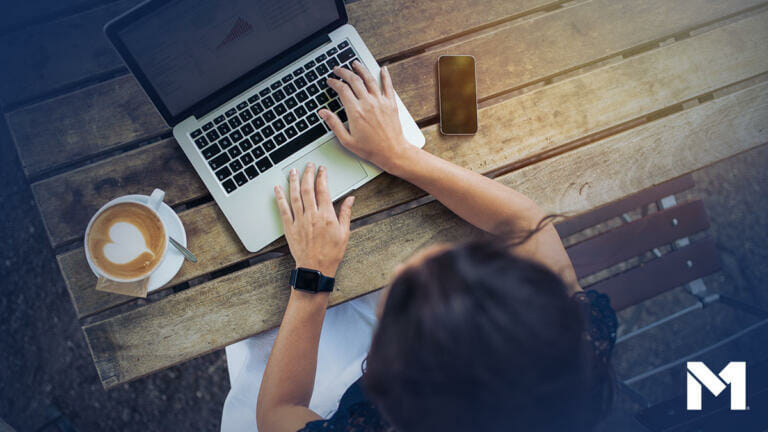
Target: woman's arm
317 240
375 134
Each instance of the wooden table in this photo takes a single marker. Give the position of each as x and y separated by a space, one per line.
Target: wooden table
582 103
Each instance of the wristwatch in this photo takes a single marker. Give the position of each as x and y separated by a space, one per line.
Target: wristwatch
311 280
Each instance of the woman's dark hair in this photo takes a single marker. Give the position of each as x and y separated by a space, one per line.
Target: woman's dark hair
478 339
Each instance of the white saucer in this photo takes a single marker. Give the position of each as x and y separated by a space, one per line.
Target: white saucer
173 258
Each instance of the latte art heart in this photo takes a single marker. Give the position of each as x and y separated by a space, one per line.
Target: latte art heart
128 243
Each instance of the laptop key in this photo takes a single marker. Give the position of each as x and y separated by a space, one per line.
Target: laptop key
269 146
196 133
291 102
256 109
291 132
322 98
278 124
208 126
301 96
267 102
286 79
219 161
343 45
311 76
225 143
230 112
236 136
211 151
247 159
242 105
240 179
212 135
269 116
218 119
229 186
332 93
297 143
234 152
332 51
267 131
280 139
300 111
246 145
253 99
264 164
289 118
331 63
298 71
275 85
311 105
301 125
258 122
223 129
312 119
346 55
278 95
309 65
289 89
300 82
322 70
334 105
251 172
312 89
342 115
280 109
246 115
235 122
264 92
201 142
258 152
236 166
320 58
247 129
223 173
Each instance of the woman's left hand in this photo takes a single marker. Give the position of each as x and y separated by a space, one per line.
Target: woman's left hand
316 237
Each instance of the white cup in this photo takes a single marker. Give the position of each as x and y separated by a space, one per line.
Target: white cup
153 203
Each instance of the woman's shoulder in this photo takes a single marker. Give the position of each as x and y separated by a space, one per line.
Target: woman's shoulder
600 319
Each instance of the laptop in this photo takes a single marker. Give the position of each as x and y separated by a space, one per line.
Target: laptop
240 82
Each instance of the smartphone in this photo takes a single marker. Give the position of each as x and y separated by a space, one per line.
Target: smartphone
457 93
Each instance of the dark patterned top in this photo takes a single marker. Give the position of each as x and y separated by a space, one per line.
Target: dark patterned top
357 414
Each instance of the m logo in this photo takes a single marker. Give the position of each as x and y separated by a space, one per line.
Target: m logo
733 374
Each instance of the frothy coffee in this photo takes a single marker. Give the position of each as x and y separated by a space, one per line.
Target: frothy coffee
126 241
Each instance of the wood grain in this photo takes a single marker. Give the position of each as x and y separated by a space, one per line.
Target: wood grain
57 54
112 114
534 49
533 123
222 311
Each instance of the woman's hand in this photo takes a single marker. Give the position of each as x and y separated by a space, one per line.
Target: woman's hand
316 237
374 132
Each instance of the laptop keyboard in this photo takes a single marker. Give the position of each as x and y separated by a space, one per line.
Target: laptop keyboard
273 123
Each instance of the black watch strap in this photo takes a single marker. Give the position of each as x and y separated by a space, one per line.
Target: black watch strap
311 280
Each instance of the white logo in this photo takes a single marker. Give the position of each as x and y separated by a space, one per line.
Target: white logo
733 374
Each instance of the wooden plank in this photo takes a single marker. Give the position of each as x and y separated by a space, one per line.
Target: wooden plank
19 13
125 115
535 122
396 35
53 55
573 225
637 237
563 40
224 310
660 275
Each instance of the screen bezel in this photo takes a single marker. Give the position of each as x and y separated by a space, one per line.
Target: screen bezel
113 28
439 95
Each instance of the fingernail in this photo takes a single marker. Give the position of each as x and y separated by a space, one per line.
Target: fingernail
322 168
321 113
356 63
293 171
352 201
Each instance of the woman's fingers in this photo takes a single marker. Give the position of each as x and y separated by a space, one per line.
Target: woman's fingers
293 182
282 205
386 83
345 212
348 98
353 80
334 122
368 79
308 188
321 187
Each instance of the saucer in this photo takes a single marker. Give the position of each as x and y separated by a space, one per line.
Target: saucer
173 258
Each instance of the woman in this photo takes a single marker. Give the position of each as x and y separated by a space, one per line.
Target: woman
481 336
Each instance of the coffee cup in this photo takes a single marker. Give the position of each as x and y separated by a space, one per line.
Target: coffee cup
126 240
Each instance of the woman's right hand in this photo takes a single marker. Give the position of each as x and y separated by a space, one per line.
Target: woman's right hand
374 131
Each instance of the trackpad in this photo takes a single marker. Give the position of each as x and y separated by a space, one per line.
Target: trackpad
344 168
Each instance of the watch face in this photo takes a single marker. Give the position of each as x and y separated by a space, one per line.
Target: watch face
307 280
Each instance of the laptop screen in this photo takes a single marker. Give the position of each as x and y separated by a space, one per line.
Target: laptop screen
188 49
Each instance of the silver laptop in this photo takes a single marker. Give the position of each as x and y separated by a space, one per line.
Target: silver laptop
240 82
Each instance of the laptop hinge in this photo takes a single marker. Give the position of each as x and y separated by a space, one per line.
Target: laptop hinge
259 74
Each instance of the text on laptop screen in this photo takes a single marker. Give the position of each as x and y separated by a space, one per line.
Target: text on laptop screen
188 49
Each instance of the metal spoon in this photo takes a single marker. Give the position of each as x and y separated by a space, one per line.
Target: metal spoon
184 251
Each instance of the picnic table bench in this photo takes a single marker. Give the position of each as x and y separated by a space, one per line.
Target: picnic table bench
582 103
